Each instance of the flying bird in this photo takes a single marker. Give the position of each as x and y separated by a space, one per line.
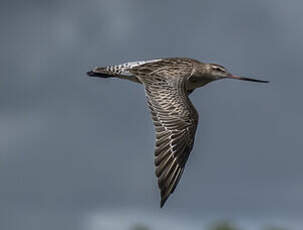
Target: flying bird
167 83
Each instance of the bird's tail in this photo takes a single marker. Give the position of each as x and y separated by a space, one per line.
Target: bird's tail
102 72
120 71
111 71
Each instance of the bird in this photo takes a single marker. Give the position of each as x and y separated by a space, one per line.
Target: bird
168 82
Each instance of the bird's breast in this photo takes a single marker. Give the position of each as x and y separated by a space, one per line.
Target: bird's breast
196 82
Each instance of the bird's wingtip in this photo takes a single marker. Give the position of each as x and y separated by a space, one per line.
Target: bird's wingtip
163 200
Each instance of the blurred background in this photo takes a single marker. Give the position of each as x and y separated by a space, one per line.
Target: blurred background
77 153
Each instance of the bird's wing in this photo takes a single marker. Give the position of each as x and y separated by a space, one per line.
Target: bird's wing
175 120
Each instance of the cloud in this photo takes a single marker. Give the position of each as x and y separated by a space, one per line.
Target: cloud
69 142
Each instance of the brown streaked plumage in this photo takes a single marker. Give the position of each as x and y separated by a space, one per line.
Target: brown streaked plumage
167 83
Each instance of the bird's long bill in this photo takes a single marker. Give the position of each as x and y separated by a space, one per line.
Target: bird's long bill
246 79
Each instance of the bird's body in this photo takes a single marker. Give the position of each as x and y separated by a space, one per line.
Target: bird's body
167 83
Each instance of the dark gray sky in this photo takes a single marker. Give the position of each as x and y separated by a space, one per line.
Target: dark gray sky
77 153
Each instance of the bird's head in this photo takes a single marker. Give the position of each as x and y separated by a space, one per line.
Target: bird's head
216 72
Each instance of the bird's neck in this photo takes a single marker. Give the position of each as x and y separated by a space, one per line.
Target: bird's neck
196 82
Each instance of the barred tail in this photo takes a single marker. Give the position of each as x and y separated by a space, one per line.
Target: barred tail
120 71
101 72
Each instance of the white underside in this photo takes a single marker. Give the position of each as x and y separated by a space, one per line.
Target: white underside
138 63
